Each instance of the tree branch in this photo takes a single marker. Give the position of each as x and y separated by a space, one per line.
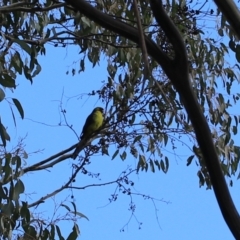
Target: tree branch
143 46
17 7
231 13
41 165
66 185
180 79
175 39
119 27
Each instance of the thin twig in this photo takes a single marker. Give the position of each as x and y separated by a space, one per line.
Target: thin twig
65 186
146 71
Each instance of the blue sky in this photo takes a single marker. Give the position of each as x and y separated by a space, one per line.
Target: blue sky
192 212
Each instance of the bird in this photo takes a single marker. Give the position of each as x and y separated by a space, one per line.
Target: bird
93 123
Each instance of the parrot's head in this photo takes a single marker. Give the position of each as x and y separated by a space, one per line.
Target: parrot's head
100 109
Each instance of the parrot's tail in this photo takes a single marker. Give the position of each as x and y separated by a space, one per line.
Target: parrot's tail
76 152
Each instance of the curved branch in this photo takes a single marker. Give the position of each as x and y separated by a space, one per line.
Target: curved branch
198 120
119 27
41 165
18 7
231 13
12 6
171 32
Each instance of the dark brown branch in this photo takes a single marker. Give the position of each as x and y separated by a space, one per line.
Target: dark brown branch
231 13
119 27
176 40
181 81
94 185
60 157
17 7
56 38
40 165
12 6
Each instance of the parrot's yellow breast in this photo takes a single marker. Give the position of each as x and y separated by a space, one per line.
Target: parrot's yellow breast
93 123
98 121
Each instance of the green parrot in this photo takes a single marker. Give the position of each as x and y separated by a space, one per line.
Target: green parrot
93 122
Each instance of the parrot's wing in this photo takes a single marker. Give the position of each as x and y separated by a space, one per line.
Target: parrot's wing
89 122
93 122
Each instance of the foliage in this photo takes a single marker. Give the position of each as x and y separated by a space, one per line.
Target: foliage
143 118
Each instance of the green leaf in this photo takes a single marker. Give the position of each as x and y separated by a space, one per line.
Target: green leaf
74 206
25 212
23 45
37 70
133 117
5 189
162 166
166 163
45 234
86 21
67 207
232 45
137 139
27 74
165 139
201 178
2 95
123 155
220 32
52 232
25 155
236 120
47 33
2 219
105 151
115 154
11 191
2 193
189 160
7 173
17 62
7 81
234 129
142 163
152 166
16 160
227 138
157 164
74 234
59 233
81 215
7 209
43 51
3 133
19 186
82 66
19 107
31 232
32 58
238 53
14 120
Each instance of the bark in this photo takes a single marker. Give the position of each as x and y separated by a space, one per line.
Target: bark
231 13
